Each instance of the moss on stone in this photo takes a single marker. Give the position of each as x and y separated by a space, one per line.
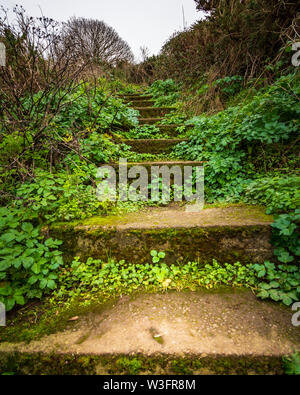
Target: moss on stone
223 243
63 364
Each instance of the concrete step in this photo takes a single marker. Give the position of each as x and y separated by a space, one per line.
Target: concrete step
229 234
149 121
133 98
170 130
153 112
153 146
144 103
216 332
169 163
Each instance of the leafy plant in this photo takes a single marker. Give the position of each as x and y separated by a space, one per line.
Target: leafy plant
278 194
229 86
28 261
164 92
143 132
173 118
157 256
292 364
235 143
84 279
280 284
60 197
129 365
285 236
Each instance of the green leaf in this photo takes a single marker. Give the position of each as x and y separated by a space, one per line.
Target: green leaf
8 237
261 273
43 283
36 268
263 294
274 284
27 261
17 263
287 300
19 299
274 295
32 280
6 291
9 303
4 265
27 227
51 284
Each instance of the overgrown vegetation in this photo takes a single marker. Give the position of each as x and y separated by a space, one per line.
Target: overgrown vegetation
61 118
246 142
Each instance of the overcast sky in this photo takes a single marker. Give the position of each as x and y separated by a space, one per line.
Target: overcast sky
140 22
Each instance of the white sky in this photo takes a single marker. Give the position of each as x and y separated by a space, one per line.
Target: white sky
140 22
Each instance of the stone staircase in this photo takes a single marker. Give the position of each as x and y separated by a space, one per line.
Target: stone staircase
218 332
150 115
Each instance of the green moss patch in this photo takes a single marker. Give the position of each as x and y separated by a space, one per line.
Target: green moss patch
59 364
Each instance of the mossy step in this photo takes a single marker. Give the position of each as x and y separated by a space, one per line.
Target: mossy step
229 234
153 146
144 103
203 332
36 363
149 121
136 97
169 163
170 130
153 112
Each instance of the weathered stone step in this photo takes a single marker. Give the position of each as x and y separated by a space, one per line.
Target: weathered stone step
170 130
149 121
153 112
203 332
153 146
230 234
144 103
149 164
134 98
57 363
